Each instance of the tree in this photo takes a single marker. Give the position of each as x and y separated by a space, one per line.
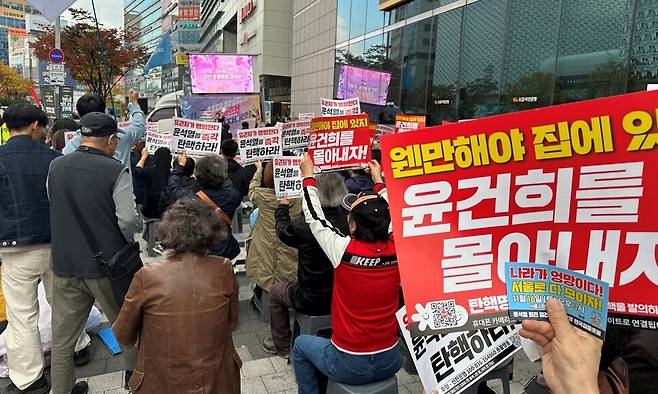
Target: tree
13 87
84 55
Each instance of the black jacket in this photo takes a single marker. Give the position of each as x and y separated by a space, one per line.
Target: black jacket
24 206
226 197
239 177
315 274
167 198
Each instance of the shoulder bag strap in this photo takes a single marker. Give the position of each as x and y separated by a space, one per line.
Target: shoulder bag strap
214 207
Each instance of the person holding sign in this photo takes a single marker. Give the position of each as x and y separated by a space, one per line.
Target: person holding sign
364 344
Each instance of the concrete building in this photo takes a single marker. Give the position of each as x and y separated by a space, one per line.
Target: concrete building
456 59
262 28
12 24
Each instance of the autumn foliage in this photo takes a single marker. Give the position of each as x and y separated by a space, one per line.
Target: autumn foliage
83 55
13 87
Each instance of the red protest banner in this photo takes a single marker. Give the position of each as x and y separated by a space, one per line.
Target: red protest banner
570 185
340 142
404 123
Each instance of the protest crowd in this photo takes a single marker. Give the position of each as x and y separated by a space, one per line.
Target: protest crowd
321 246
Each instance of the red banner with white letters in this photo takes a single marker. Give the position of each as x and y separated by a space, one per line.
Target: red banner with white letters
571 185
340 142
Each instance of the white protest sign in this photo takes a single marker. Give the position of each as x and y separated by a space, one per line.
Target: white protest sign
259 144
155 140
287 177
306 116
450 363
340 107
123 125
195 138
295 134
68 136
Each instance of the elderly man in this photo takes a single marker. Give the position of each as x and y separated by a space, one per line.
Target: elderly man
101 189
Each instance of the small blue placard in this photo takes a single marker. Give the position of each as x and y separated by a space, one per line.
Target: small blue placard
585 299
107 336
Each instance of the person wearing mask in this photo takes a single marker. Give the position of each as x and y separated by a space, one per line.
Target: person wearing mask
358 182
212 174
163 307
364 343
312 293
239 177
156 179
101 188
24 243
268 259
92 102
187 181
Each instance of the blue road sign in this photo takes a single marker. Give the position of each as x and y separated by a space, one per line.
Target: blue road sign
56 55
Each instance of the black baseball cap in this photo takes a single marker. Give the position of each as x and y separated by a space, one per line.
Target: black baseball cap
367 208
97 124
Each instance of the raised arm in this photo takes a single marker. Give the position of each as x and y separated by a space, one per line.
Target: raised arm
330 239
284 227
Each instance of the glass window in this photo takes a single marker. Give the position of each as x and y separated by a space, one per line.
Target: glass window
415 64
444 67
391 54
374 17
592 55
343 22
643 68
358 18
164 113
530 54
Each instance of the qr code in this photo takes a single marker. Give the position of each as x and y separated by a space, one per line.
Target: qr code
444 314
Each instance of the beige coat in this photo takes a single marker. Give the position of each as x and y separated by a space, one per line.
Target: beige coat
183 312
268 259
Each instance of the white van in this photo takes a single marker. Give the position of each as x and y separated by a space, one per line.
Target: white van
165 108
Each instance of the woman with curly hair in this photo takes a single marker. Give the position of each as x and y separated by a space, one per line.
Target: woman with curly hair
183 310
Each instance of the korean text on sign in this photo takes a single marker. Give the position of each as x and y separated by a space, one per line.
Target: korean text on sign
570 186
306 116
259 144
404 123
196 138
295 134
585 299
155 140
287 177
340 107
338 143
452 362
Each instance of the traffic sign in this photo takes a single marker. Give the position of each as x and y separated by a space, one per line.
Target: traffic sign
56 77
56 55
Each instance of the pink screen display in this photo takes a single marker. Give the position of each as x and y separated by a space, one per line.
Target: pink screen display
369 86
221 73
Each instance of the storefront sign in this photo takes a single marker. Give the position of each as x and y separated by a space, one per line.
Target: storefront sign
287 177
195 138
247 10
570 185
452 362
340 142
259 144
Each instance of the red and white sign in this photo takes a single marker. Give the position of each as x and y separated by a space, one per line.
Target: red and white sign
247 10
155 139
195 138
295 134
306 116
339 143
572 186
404 123
340 107
259 144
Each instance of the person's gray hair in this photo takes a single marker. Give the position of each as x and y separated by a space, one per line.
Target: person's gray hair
211 171
331 189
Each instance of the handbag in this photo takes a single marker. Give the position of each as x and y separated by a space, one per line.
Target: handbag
215 208
120 268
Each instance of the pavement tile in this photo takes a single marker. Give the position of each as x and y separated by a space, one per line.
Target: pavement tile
244 354
252 386
414 388
404 378
281 364
116 391
116 363
95 367
279 382
106 382
257 368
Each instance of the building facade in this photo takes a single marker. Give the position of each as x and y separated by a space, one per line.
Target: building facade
145 18
262 28
460 59
12 25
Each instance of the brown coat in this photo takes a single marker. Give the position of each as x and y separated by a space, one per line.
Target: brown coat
268 259
181 312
